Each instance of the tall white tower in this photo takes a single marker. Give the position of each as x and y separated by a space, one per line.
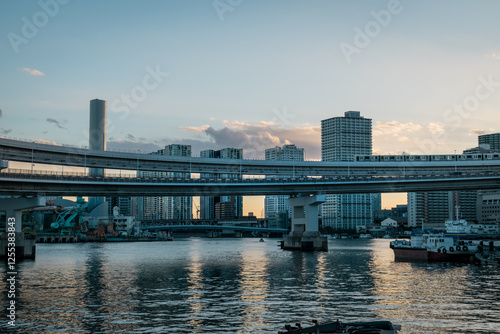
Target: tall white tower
97 141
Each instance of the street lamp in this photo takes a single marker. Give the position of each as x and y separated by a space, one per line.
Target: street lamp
32 144
85 161
137 163
456 160
404 171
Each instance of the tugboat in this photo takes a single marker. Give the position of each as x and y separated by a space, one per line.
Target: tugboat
337 327
434 247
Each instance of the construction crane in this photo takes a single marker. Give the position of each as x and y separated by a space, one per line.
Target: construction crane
197 211
65 220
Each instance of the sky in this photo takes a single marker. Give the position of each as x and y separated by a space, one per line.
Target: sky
251 74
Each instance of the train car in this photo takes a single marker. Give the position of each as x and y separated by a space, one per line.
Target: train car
391 158
424 157
418 158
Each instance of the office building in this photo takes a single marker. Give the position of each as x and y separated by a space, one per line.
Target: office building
126 205
435 207
493 140
341 139
488 207
276 210
221 207
166 207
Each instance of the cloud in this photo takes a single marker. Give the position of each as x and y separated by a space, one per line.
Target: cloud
56 122
33 72
195 128
395 128
494 56
6 131
254 139
435 127
1 113
44 141
476 132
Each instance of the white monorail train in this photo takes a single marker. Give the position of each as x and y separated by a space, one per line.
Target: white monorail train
435 157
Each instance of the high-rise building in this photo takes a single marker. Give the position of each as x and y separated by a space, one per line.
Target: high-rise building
435 207
125 204
341 139
166 207
276 210
221 207
493 140
285 153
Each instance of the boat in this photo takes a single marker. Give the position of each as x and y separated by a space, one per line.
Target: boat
368 327
365 236
434 247
490 255
459 227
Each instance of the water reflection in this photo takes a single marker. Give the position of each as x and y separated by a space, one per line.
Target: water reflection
254 288
245 286
442 293
195 288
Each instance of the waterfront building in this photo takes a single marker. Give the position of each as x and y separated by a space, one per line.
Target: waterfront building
166 207
221 207
435 207
488 207
493 140
275 208
341 139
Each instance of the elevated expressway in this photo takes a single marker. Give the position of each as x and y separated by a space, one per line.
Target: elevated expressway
30 152
25 183
283 177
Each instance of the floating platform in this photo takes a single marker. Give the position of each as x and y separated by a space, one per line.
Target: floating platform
306 241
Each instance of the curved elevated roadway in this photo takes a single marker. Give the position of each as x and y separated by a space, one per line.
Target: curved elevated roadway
24 183
30 152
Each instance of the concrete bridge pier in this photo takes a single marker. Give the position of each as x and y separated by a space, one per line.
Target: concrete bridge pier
304 234
13 207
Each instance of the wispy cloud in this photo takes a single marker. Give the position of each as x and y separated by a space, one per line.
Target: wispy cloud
476 132
33 72
6 131
56 122
195 128
395 128
1 113
494 55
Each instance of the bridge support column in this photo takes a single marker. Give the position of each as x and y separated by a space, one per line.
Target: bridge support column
13 207
304 234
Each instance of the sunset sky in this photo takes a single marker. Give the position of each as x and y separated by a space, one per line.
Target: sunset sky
251 74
